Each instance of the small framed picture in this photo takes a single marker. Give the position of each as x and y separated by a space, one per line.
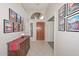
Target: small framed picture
12 15
22 24
21 27
8 26
61 18
15 27
18 18
22 19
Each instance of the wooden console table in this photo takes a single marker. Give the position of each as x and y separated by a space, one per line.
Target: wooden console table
19 46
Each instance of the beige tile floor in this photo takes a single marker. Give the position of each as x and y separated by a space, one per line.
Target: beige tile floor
40 48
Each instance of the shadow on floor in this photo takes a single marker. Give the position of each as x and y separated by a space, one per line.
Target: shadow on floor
51 44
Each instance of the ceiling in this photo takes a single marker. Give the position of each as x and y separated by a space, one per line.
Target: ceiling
35 6
32 8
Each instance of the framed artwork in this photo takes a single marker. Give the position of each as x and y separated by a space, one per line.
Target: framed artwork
73 23
20 27
18 18
22 19
72 7
61 18
12 15
15 27
8 26
22 24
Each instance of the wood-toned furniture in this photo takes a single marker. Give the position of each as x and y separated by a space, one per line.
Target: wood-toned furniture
19 46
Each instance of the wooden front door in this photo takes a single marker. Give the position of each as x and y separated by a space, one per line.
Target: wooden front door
40 30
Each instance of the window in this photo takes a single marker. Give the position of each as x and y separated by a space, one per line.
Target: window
37 15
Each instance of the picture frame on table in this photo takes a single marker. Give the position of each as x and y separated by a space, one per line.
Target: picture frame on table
8 26
12 15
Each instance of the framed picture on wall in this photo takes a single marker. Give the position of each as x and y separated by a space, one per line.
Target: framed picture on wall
20 27
12 15
22 23
61 24
61 18
8 26
18 18
15 27
22 19
73 23
72 8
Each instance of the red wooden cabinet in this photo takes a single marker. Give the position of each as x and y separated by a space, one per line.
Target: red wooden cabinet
19 46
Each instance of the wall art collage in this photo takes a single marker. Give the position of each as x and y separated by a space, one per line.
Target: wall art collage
68 17
14 24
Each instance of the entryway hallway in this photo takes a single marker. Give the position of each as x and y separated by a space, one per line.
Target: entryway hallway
40 48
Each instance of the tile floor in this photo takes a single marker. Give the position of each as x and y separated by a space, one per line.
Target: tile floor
40 48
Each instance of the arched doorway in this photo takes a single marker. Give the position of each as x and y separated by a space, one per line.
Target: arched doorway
39 26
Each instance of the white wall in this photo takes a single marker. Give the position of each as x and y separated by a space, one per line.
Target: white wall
4 14
49 11
49 31
49 25
66 43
